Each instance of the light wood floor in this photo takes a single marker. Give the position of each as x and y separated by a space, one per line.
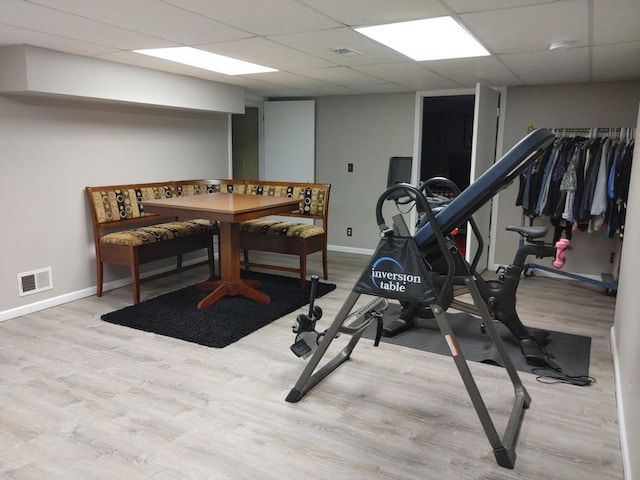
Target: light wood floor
84 399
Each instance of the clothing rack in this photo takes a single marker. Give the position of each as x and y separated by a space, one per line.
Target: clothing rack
626 134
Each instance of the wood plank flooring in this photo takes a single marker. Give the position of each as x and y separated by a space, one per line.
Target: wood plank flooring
84 399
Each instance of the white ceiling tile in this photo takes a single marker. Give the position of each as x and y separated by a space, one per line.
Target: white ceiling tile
288 80
375 12
16 36
263 17
564 76
334 90
616 21
465 6
151 17
618 56
555 67
54 22
385 88
530 28
410 75
258 50
340 76
468 71
321 43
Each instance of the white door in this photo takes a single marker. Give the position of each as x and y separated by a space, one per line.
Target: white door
289 141
483 154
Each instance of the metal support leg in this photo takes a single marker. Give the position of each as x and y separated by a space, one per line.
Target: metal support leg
503 448
308 379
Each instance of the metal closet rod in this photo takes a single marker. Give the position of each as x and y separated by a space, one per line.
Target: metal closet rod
626 133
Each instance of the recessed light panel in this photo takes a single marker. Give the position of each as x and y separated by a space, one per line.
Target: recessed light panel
429 39
206 60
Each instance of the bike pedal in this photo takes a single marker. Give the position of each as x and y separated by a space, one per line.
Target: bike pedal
300 348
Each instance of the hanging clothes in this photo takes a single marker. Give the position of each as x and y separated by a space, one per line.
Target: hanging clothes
580 182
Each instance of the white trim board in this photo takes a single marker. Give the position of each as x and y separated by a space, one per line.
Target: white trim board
624 447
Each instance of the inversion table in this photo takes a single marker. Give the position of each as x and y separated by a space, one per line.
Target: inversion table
433 236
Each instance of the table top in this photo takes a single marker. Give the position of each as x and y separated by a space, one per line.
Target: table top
224 207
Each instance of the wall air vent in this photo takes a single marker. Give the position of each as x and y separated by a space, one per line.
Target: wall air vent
346 52
35 281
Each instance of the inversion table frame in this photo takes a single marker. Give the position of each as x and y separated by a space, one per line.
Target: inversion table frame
433 235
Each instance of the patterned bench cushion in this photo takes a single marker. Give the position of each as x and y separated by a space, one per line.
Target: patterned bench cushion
116 205
200 188
281 229
312 200
157 233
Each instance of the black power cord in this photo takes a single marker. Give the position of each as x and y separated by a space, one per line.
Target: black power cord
551 376
552 373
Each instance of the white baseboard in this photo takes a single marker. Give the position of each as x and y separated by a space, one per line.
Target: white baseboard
358 251
626 458
87 292
48 303
78 294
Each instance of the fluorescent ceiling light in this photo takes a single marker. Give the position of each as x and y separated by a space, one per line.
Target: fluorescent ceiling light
206 60
428 39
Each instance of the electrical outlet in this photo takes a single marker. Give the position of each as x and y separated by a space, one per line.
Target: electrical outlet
350 167
349 231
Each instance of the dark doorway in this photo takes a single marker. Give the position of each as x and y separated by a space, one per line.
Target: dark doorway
244 144
447 135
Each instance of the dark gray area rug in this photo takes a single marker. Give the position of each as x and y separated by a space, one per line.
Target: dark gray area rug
570 352
176 315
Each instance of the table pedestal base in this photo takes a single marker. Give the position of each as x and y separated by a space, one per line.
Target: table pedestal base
220 289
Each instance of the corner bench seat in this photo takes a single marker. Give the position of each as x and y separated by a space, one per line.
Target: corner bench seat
280 235
124 234
157 232
280 228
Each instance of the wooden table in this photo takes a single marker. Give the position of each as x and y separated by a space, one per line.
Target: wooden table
228 209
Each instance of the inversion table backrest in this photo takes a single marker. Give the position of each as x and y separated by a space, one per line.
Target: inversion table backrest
499 176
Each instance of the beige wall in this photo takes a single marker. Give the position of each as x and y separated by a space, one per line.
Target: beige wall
34 70
626 328
53 148
365 130
80 143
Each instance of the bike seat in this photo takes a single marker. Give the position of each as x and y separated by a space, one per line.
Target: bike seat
530 233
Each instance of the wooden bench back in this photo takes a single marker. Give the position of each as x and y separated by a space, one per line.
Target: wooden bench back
197 187
314 197
118 203
119 207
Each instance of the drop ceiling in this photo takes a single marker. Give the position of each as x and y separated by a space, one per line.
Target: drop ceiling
299 38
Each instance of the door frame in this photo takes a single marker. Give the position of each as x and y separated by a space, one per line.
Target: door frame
417 149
